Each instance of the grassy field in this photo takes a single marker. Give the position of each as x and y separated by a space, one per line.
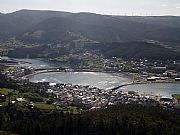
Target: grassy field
70 109
38 101
44 106
5 91
7 133
176 96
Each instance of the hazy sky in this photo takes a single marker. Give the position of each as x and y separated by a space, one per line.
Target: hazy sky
122 7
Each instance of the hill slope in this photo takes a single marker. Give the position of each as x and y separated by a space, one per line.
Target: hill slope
135 50
102 28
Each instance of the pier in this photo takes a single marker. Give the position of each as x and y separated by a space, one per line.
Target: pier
115 88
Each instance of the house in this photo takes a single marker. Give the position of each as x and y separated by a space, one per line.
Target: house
30 105
159 70
177 79
20 99
172 73
2 98
153 78
166 99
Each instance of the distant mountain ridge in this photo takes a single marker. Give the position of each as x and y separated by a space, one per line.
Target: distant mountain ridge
48 26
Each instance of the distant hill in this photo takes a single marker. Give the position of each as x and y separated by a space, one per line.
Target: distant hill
171 21
47 26
19 22
135 50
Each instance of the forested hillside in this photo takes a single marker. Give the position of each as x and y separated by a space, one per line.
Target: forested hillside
114 120
45 26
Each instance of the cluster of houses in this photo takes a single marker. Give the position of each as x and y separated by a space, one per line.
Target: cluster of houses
17 73
7 62
169 75
92 97
141 65
86 96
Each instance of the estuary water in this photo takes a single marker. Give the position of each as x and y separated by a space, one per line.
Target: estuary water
163 89
106 81
97 79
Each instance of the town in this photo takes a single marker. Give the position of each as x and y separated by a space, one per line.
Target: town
89 97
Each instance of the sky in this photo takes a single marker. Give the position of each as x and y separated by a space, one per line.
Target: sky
110 7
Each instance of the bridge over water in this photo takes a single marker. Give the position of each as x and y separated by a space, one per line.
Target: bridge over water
63 69
126 84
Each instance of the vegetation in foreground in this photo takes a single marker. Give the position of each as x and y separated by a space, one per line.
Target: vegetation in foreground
69 120
114 120
176 96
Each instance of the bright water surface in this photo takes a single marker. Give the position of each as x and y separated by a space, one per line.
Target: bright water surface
100 80
165 89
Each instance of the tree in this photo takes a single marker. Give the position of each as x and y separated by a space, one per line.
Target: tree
10 94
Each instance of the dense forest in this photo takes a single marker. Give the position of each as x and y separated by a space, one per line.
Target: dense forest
114 120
